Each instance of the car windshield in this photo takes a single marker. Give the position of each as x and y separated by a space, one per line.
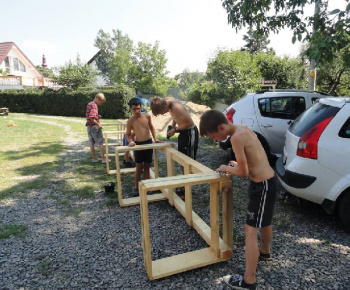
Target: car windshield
314 115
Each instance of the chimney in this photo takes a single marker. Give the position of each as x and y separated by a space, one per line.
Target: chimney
44 61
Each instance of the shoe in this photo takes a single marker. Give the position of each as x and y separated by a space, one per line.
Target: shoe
181 192
237 282
94 160
105 161
265 257
135 192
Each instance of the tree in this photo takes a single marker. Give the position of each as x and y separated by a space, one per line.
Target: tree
334 78
234 73
186 79
255 42
288 72
75 75
120 62
46 72
331 29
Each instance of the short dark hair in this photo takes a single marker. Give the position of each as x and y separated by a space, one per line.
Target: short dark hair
134 102
210 121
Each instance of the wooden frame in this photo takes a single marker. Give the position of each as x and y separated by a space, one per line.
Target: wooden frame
119 134
220 249
154 173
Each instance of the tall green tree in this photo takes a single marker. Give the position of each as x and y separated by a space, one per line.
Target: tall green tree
334 78
47 72
76 74
120 62
331 29
255 42
287 72
187 78
234 73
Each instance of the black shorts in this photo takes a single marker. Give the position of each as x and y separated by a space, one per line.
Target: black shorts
262 197
188 142
143 156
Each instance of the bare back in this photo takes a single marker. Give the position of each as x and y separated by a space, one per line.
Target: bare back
250 154
179 113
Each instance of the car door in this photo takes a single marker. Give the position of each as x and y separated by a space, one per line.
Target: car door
275 114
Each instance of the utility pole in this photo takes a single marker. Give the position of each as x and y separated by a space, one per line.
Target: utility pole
312 73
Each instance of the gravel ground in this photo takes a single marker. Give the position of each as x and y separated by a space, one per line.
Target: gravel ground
102 247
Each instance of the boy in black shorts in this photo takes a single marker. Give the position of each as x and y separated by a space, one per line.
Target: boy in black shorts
182 123
251 161
142 126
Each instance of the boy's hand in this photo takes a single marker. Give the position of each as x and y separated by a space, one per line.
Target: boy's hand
158 141
232 163
222 169
131 144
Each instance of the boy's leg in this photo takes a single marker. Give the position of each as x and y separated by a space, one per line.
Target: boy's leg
102 152
251 253
266 238
146 169
138 171
93 153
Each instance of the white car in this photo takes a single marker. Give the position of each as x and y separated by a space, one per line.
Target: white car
269 113
315 164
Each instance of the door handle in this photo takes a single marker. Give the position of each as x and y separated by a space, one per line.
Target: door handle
267 126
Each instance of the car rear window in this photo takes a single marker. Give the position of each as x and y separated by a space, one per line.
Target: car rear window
345 130
314 115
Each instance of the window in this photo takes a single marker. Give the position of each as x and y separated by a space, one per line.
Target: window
22 66
7 64
15 64
345 130
282 107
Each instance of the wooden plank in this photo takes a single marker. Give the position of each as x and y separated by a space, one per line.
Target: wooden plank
182 180
214 218
150 198
227 213
188 198
181 263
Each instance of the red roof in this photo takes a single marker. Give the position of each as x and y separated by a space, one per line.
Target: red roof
5 47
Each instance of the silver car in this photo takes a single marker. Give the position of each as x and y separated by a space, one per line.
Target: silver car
269 113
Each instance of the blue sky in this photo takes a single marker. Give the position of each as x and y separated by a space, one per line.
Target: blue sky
188 30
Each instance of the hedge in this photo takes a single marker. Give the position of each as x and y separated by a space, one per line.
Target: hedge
67 103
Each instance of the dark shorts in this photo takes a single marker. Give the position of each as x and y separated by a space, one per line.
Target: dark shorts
262 197
143 156
188 142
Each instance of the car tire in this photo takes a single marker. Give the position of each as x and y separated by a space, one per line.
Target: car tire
343 210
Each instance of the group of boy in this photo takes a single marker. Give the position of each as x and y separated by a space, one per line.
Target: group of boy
251 161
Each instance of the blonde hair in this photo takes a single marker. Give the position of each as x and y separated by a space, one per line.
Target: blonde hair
101 97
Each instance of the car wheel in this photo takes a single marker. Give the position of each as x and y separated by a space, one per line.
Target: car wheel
343 210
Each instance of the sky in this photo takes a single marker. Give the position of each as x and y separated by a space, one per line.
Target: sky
190 31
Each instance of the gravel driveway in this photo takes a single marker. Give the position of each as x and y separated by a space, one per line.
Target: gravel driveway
102 247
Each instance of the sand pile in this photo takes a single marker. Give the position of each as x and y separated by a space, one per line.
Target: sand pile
161 122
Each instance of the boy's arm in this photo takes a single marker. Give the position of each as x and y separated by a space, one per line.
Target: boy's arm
240 167
153 130
128 133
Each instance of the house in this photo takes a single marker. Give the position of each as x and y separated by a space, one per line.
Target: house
92 62
18 71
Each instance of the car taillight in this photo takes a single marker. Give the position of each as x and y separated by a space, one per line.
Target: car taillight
307 146
230 113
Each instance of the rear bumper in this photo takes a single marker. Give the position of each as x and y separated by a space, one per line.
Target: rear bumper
293 179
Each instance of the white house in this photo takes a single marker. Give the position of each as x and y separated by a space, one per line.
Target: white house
20 72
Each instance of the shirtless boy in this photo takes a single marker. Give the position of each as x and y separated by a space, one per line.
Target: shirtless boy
251 161
187 142
142 126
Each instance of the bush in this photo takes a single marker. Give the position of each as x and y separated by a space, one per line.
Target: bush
67 103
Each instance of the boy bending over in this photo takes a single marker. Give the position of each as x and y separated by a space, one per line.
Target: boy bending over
251 160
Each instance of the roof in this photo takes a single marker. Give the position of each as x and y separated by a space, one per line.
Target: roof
5 47
94 57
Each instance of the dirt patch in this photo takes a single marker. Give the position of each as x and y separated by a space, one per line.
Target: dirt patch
161 122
